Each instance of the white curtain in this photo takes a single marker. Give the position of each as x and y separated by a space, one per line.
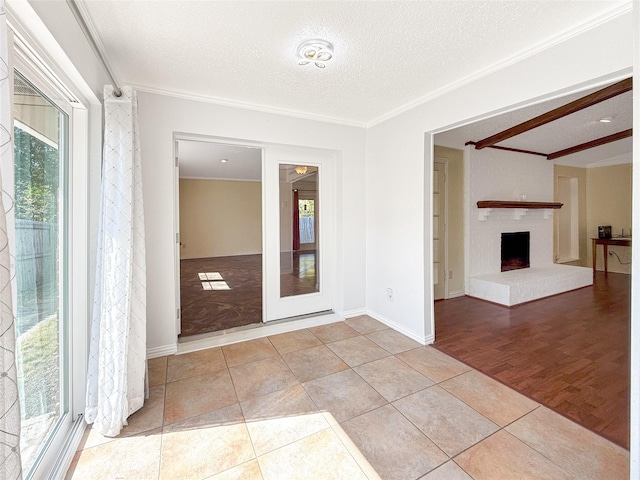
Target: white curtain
10 464
117 355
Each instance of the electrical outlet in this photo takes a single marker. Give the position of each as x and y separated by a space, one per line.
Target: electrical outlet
450 274
390 294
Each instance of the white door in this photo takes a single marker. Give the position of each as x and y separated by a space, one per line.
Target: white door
439 229
298 226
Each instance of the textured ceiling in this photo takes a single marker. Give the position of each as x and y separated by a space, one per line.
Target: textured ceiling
575 129
203 160
387 54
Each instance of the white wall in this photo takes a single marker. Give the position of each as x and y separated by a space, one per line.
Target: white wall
399 160
160 116
501 175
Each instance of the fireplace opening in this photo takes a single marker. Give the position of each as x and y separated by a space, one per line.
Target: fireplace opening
514 251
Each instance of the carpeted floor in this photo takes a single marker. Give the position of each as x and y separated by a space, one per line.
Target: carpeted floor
232 296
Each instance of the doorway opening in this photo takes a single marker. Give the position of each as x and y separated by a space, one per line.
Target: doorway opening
220 240
568 240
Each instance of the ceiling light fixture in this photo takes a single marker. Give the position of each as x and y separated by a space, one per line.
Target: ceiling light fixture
316 51
301 170
606 120
224 160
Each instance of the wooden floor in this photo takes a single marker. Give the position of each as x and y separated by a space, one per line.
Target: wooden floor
569 352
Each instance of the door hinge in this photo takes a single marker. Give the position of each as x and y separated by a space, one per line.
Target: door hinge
178 314
177 238
176 161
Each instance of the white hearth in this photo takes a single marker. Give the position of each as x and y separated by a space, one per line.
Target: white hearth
524 285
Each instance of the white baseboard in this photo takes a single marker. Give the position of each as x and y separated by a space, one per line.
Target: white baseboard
162 351
456 294
354 313
400 329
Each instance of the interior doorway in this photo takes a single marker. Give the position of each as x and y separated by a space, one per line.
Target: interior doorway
566 226
220 239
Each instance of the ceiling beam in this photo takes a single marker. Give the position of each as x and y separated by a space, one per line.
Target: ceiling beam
593 143
557 113
509 149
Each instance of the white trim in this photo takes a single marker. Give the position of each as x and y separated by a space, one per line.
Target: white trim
456 294
634 407
518 57
354 313
246 106
426 340
444 216
260 330
69 450
162 351
218 179
45 50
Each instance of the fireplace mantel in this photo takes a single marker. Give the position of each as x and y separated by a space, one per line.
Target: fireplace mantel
520 208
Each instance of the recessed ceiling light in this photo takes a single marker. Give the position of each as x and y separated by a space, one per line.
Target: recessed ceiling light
224 160
316 51
606 120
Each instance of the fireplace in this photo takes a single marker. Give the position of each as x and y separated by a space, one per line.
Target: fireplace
514 251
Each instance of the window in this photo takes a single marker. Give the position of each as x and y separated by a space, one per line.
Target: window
40 162
306 209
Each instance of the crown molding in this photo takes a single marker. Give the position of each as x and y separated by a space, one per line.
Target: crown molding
246 105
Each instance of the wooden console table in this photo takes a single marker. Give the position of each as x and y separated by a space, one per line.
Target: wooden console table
605 242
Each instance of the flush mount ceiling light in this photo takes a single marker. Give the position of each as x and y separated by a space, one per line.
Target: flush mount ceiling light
223 160
606 120
316 51
301 170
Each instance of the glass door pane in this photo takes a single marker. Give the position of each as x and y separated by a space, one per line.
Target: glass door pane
40 132
299 248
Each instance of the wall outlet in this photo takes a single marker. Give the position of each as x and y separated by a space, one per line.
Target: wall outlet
450 274
390 294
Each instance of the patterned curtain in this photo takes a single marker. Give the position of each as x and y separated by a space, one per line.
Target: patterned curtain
117 353
10 464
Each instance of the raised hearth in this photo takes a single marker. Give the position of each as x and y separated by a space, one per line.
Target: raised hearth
527 284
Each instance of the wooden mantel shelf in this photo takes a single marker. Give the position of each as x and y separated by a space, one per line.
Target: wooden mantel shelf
505 204
519 208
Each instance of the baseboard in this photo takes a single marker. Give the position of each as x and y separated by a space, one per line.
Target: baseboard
259 331
162 351
400 329
456 294
354 313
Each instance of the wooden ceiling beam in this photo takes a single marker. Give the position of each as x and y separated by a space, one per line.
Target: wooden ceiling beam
593 143
509 149
557 113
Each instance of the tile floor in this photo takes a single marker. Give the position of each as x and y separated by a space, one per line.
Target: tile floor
352 400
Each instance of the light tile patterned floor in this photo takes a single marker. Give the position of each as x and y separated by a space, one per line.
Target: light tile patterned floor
352 400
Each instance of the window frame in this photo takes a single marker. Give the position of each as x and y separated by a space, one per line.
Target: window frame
56 458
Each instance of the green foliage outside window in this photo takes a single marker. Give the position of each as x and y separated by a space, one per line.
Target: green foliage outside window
36 178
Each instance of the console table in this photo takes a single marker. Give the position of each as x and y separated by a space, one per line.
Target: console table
605 242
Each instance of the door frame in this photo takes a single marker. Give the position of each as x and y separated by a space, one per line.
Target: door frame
331 240
445 216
